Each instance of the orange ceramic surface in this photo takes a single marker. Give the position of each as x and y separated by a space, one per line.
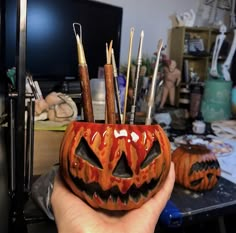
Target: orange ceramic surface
114 166
196 167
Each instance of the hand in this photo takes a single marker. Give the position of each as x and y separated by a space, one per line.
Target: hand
72 215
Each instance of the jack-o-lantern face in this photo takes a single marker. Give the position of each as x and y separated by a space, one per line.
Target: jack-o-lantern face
196 167
115 167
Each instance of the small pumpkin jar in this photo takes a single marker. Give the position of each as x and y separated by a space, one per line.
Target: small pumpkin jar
114 166
196 167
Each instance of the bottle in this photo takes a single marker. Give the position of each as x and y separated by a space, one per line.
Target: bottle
185 46
195 100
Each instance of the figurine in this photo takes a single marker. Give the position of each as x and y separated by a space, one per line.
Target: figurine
218 44
186 19
172 78
225 67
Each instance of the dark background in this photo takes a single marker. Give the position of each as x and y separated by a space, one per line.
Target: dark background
51 44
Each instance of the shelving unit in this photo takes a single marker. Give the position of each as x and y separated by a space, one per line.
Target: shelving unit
200 62
180 51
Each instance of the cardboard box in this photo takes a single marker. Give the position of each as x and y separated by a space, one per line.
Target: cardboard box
46 150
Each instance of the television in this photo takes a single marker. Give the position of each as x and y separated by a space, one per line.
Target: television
51 50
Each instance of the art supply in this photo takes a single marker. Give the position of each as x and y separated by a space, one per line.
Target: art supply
80 30
111 145
110 92
117 92
139 63
84 82
151 99
128 72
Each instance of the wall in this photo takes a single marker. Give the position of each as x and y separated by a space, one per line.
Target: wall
152 16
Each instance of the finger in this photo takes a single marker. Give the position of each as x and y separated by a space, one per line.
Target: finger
157 203
152 209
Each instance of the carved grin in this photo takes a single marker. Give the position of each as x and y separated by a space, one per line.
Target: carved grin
135 193
122 170
206 167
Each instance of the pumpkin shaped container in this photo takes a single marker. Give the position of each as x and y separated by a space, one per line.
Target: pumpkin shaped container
196 167
114 166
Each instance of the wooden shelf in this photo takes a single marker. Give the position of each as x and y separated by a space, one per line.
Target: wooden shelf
200 63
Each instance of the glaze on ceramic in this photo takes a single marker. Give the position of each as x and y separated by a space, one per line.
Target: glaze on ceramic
196 167
114 166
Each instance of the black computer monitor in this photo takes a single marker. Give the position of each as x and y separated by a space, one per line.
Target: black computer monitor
51 45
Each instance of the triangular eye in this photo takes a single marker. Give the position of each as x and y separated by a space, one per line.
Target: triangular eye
152 154
122 168
84 151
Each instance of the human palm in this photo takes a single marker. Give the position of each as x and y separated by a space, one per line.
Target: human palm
73 215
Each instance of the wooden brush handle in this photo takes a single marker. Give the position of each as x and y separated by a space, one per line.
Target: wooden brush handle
86 93
110 94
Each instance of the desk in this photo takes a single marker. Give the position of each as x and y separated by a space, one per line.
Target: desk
187 207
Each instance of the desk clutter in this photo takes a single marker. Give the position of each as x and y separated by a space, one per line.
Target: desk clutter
117 164
191 200
214 144
219 155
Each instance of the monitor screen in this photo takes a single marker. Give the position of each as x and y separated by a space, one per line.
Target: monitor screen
51 50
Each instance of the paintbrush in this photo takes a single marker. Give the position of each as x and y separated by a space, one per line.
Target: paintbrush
148 120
